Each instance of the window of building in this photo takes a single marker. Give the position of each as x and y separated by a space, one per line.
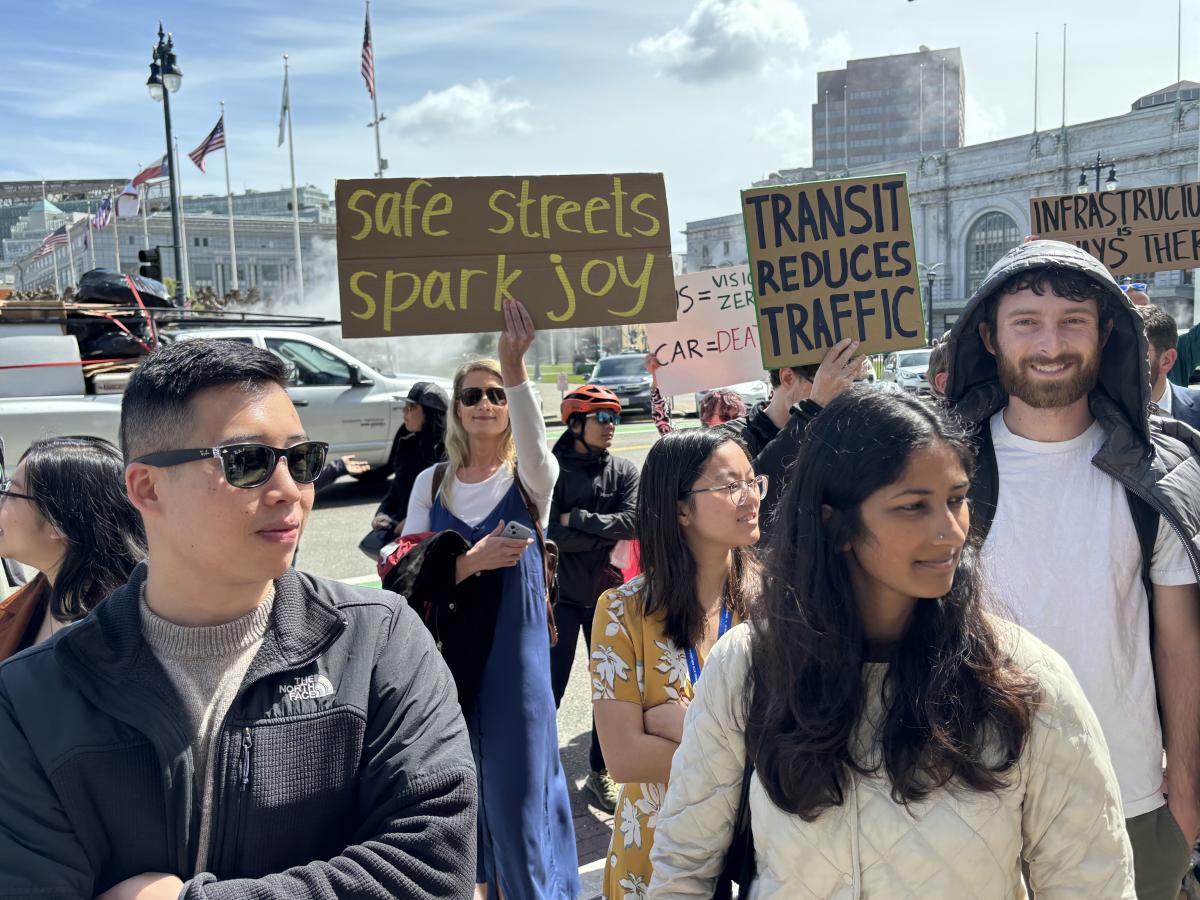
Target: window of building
705 256
727 248
989 239
206 242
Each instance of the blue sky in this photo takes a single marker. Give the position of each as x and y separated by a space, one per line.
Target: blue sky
714 93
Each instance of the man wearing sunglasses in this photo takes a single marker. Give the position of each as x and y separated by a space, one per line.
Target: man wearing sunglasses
593 508
224 726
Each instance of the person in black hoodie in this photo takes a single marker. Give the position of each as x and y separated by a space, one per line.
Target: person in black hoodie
420 444
594 507
1088 510
223 726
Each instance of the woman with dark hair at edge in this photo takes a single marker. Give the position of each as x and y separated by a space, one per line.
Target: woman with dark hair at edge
697 524
420 444
65 513
499 470
903 741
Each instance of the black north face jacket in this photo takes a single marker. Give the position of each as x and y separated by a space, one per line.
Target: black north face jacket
343 768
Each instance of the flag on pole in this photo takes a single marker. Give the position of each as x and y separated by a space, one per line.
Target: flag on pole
283 110
214 141
103 215
368 59
160 169
56 238
128 202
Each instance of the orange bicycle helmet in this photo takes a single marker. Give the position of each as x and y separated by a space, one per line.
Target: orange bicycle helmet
588 398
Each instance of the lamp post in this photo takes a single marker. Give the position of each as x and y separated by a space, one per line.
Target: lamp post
165 78
1110 183
931 274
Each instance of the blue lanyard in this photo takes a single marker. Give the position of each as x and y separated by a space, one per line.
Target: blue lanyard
693 659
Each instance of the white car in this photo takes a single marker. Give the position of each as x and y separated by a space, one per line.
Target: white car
907 368
341 400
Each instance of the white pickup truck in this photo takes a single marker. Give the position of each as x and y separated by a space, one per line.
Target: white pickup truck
340 399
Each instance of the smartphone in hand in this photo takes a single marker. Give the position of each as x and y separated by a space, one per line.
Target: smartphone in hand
516 531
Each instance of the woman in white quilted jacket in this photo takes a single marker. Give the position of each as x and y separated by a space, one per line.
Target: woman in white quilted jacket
904 742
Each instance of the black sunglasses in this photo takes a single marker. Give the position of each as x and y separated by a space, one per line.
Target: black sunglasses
250 465
471 396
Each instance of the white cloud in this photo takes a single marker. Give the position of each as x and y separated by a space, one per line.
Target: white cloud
786 130
463 109
723 38
984 123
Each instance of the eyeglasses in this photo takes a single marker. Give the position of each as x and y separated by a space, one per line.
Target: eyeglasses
739 491
604 417
1134 286
471 396
250 465
7 491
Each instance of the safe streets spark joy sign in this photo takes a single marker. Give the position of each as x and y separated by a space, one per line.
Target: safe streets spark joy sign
440 255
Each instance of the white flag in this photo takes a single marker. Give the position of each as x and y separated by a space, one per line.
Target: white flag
283 109
127 202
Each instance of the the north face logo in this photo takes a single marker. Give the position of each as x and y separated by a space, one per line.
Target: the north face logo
307 687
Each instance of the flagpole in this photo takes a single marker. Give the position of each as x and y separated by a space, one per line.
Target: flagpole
375 100
71 252
229 197
145 201
187 280
53 250
295 198
112 208
91 237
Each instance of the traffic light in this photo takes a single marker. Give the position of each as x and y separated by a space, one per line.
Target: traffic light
151 264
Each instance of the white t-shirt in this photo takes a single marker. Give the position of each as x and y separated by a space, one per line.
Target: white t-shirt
1062 558
472 503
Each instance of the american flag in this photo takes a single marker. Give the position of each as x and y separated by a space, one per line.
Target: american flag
368 59
103 215
56 238
160 169
214 141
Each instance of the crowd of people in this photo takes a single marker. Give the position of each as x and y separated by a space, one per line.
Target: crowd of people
845 643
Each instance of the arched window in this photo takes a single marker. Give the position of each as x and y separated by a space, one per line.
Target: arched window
989 239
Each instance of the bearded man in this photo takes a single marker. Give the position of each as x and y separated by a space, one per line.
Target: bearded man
1088 511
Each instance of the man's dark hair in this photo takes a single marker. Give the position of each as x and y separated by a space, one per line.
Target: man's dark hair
1069 284
808 373
156 408
1161 330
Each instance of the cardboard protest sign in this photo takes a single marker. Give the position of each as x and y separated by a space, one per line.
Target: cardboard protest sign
439 256
714 342
831 260
1131 230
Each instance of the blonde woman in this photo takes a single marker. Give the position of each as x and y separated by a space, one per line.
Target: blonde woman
499 467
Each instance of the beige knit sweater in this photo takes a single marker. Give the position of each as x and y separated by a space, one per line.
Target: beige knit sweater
206 665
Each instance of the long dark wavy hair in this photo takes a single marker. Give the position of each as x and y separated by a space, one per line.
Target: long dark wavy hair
956 706
672 467
78 486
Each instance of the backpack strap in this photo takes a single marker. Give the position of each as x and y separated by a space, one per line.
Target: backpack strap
985 486
1145 523
439 475
548 565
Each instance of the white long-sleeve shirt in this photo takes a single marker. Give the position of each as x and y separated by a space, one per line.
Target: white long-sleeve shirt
472 503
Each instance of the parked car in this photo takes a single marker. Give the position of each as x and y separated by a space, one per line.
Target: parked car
625 374
907 369
751 392
340 399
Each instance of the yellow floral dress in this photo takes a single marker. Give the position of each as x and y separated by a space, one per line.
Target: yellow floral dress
633 660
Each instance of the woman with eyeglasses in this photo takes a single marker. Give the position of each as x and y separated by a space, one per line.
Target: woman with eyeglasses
66 514
420 444
899 741
697 522
499 473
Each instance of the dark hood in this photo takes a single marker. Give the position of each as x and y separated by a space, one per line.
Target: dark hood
973 386
564 449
